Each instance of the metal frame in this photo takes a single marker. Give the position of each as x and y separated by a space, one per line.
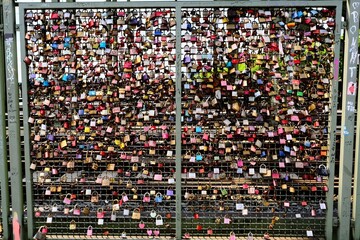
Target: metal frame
12 96
332 127
4 178
348 121
356 200
178 6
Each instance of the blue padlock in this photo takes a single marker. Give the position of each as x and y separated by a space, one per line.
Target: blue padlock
281 153
157 32
286 148
102 44
81 112
158 198
45 83
64 77
198 129
55 45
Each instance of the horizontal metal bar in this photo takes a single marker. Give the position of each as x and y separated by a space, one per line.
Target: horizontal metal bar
152 4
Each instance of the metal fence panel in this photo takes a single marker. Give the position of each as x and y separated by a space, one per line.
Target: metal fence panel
231 101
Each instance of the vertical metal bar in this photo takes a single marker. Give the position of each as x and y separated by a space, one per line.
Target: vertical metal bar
14 124
333 124
4 178
28 174
356 200
12 85
348 117
178 124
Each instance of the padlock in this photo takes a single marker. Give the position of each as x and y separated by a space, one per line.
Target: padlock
89 231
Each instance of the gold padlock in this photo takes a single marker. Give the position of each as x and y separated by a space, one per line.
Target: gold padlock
135 167
72 225
134 189
129 184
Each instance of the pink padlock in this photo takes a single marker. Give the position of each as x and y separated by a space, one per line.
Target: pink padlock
37 213
54 171
209 231
141 225
67 199
149 232
165 135
89 231
313 212
44 230
227 220
232 236
66 211
76 211
187 235
156 232
100 213
146 197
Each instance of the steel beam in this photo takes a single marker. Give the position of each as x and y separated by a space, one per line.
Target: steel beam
28 173
178 125
12 85
348 117
332 125
154 4
356 193
4 177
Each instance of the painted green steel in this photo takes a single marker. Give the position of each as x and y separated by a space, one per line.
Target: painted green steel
28 174
356 200
178 124
178 4
12 85
332 126
348 118
4 177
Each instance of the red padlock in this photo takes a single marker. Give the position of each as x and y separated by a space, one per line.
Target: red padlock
42 112
44 230
66 125
37 213
100 213
196 216
199 227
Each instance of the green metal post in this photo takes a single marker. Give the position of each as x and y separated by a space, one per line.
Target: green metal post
178 124
348 117
4 178
12 85
28 173
332 125
356 200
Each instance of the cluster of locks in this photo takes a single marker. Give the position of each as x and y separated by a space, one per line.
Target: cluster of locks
255 91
